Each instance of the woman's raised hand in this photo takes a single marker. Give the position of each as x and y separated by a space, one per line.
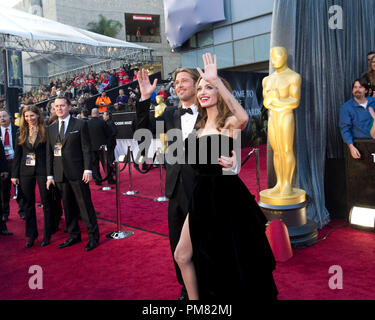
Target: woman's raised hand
145 86
210 68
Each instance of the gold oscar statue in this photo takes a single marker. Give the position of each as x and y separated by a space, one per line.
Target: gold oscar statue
159 109
17 119
282 93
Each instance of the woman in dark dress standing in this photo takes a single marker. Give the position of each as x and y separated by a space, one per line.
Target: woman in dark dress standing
29 168
223 252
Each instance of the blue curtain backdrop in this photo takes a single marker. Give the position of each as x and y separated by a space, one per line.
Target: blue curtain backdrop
328 60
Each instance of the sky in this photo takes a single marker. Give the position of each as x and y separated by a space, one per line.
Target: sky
8 3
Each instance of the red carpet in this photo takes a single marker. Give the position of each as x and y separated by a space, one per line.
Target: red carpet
140 267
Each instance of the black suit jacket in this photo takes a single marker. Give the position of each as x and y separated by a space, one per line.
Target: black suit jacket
76 152
3 160
99 133
112 139
172 120
19 163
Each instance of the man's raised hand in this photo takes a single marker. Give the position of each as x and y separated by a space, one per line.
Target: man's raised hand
145 85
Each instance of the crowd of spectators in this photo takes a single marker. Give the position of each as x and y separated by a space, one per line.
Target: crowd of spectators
80 87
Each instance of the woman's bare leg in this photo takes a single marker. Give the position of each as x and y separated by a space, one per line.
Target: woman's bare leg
372 131
183 256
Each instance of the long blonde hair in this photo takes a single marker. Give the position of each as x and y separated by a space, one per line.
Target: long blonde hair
223 111
24 126
371 73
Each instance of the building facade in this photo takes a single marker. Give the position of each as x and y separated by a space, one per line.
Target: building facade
241 42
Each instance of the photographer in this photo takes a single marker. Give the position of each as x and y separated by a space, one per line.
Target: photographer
355 119
102 102
172 99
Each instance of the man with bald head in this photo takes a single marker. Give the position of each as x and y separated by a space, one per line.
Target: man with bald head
99 133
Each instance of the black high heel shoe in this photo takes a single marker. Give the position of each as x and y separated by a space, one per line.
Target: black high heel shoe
30 243
45 242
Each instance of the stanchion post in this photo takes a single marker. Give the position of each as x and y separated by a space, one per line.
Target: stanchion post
160 156
258 169
118 234
104 148
130 192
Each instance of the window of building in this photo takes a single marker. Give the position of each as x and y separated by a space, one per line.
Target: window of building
199 40
205 38
141 27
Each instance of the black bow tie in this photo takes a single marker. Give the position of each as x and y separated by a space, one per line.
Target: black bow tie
185 110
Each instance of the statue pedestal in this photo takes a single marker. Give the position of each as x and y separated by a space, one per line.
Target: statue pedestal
291 210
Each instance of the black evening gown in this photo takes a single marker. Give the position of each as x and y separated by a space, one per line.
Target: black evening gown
231 253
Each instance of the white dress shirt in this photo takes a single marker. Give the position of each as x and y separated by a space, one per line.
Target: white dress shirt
188 121
66 122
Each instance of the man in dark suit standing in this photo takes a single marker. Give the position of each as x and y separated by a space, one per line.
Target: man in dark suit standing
179 178
8 138
99 134
107 117
69 166
3 174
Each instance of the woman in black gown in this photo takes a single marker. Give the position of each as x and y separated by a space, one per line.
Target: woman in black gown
223 252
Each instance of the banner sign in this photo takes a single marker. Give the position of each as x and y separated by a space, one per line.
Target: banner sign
247 89
14 67
142 17
124 124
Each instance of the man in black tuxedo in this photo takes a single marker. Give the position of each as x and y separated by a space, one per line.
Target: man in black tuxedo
3 174
107 117
69 166
8 138
179 178
99 134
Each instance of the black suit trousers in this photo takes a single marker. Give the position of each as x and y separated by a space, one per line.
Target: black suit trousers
27 185
110 160
96 158
3 225
6 186
78 192
56 207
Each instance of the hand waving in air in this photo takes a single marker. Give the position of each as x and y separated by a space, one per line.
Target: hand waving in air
210 69
145 85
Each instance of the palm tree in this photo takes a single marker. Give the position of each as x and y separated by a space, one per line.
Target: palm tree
107 27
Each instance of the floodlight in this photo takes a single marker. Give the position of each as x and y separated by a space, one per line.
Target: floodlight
362 218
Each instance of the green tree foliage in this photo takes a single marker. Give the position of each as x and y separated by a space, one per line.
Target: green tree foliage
107 27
